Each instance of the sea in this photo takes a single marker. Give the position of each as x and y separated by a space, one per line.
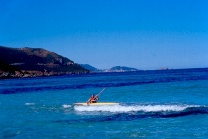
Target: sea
160 104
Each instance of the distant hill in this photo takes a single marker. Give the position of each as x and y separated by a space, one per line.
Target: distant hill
32 62
89 67
113 69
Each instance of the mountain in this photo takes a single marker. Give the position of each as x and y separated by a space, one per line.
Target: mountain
89 67
32 62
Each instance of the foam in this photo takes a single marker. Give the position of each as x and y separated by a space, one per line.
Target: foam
136 108
66 106
28 104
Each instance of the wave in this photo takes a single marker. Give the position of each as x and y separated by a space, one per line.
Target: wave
29 89
105 80
135 108
37 88
131 113
126 113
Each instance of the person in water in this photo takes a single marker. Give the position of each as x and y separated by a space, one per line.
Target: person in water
92 99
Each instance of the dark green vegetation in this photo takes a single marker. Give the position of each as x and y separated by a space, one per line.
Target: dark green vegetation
33 62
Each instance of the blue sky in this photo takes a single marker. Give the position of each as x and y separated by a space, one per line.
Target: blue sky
145 34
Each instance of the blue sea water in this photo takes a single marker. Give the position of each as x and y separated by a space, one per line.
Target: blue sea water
153 104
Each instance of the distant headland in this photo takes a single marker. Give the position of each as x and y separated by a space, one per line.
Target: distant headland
35 62
113 69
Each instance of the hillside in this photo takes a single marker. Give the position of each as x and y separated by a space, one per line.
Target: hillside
89 67
32 62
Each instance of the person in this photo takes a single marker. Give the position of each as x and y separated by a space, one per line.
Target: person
92 99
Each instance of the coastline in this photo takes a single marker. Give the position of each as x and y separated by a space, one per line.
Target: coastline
34 74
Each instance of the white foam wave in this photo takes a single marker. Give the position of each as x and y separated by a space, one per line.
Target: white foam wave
29 104
66 106
136 108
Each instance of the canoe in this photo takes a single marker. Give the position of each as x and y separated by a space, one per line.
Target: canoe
95 104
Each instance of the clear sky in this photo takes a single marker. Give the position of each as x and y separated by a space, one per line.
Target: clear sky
144 34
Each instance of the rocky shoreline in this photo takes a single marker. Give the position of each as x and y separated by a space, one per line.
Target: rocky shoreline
34 74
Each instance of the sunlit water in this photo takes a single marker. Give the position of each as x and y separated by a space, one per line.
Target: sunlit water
153 104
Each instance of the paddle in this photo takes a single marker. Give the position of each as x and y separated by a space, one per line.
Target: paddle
89 101
100 92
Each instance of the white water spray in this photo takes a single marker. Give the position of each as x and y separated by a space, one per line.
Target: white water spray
135 108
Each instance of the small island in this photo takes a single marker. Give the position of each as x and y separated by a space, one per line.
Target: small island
122 69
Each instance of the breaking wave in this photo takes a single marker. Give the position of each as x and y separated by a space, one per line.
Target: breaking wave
136 108
137 112
120 112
